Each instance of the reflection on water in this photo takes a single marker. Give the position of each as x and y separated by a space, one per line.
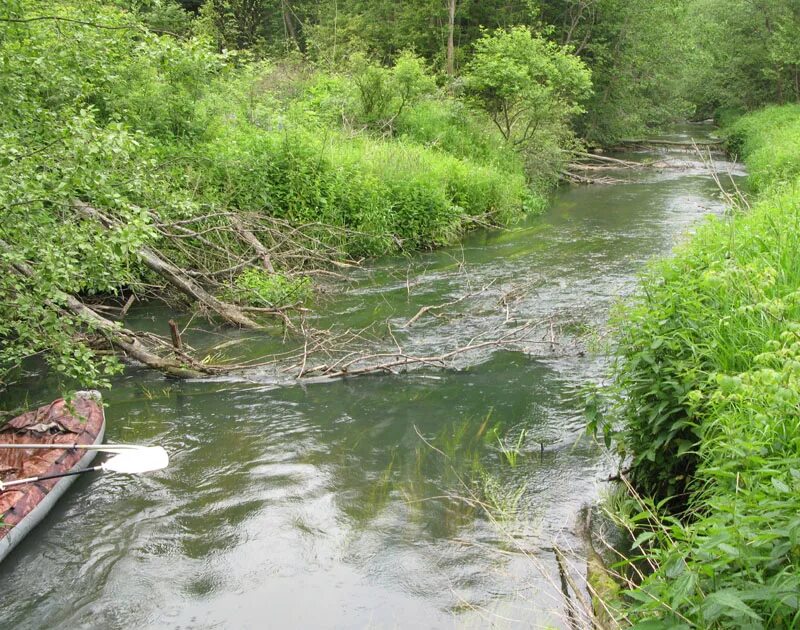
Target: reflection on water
428 500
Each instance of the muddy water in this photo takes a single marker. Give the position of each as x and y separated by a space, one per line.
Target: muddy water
431 499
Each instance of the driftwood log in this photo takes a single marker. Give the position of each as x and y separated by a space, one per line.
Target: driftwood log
248 237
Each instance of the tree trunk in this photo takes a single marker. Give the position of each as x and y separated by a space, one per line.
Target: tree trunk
288 23
796 84
183 283
451 25
120 337
252 240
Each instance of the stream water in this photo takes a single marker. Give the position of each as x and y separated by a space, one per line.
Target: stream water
381 501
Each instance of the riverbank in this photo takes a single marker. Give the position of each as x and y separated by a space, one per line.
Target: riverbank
140 164
708 396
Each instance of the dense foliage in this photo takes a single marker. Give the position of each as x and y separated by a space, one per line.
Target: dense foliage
746 54
709 360
529 87
152 128
635 48
652 60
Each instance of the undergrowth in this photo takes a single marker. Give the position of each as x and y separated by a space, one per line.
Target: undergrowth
708 395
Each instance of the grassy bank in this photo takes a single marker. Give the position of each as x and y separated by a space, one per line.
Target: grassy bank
171 140
708 392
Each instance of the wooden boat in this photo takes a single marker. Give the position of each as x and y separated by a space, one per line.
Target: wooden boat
80 421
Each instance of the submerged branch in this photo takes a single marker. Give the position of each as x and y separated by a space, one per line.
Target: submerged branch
438 307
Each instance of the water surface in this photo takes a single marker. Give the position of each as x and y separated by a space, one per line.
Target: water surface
383 501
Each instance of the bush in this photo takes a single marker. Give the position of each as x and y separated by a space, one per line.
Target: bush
271 290
450 126
708 386
382 94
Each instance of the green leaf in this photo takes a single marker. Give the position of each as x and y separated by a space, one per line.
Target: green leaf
779 485
641 539
729 604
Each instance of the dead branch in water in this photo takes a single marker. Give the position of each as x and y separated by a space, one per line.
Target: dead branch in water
586 159
437 307
579 611
144 347
583 179
175 276
197 255
686 144
393 362
359 352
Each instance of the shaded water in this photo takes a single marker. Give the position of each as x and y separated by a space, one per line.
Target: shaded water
383 501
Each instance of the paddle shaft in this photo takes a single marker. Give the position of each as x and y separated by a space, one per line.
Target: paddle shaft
88 447
18 482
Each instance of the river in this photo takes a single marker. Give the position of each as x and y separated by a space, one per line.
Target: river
381 501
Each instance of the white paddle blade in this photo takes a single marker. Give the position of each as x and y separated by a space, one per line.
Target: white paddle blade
137 461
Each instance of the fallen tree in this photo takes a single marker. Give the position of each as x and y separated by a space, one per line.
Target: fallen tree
176 277
146 349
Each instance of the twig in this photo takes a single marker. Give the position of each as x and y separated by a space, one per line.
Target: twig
562 566
438 307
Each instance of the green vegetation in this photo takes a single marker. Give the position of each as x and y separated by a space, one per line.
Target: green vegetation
529 88
357 130
461 466
164 138
224 151
745 54
709 362
271 290
634 48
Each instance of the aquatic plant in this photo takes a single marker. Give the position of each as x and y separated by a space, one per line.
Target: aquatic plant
511 452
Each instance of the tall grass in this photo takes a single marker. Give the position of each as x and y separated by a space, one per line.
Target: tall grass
708 391
770 141
291 142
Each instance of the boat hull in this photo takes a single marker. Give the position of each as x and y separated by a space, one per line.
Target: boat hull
22 508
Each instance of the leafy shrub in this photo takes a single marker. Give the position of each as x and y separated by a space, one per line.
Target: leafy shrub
531 89
389 192
272 290
708 391
451 126
376 95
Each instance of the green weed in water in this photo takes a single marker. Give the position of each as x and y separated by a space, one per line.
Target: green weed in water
512 453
